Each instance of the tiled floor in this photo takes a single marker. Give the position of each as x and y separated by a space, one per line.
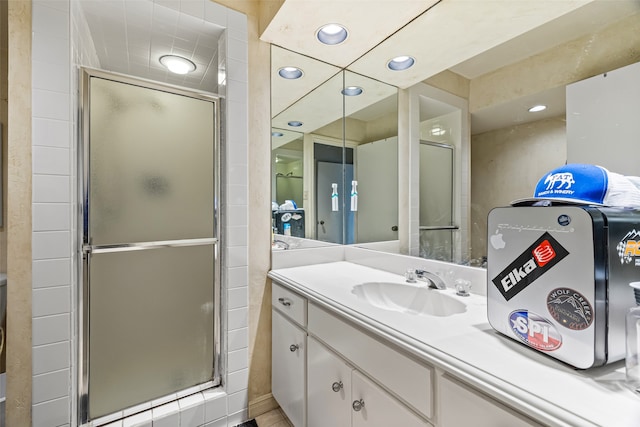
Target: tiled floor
275 418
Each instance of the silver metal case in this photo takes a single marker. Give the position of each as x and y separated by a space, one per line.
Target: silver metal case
557 281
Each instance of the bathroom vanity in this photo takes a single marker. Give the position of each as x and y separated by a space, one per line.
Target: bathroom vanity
349 350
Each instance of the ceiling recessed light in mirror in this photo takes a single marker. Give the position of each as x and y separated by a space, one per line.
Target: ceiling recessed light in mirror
332 34
290 73
400 63
277 134
352 91
537 108
177 64
295 124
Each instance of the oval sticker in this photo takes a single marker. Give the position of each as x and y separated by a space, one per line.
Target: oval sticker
570 308
534 330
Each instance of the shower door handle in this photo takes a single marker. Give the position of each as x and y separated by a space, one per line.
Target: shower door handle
141 246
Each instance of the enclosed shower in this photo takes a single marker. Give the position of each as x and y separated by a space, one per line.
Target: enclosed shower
150 272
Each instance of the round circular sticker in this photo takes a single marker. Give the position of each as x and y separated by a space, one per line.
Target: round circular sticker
570 308
534 330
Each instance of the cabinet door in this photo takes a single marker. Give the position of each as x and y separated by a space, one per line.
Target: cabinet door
461 406
328 388
287 365
372 407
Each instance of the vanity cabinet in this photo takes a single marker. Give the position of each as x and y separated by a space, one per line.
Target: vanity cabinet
329 371
341 396
288 354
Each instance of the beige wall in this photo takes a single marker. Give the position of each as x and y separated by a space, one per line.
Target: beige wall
506 164
3 120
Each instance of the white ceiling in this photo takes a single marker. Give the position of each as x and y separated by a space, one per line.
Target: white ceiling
130 36
468 37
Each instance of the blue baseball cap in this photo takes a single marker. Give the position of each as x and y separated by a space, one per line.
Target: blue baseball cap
577 183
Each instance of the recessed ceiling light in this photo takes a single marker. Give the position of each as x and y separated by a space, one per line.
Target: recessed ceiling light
290 73
332 34
537 108
277 134
295 124
177 64
400 63
352 91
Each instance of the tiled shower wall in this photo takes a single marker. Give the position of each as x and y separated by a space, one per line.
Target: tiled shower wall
60 45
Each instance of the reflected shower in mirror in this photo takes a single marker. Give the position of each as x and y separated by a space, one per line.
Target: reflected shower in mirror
334 153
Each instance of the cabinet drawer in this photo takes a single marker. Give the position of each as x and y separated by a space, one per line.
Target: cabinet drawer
402 375
289 303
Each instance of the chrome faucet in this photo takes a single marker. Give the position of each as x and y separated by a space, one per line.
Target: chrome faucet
435 281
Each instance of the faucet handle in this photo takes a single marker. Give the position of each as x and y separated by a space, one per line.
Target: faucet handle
411 275
462 287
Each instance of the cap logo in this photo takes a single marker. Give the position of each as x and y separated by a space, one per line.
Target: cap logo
563 179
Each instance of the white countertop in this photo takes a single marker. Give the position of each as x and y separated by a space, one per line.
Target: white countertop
466 345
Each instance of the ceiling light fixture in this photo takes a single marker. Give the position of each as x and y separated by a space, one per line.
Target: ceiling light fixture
352 91
290 73
177 64
332 34
277 134
295 123
400 63
537 108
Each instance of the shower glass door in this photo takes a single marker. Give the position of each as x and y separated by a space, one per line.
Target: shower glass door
150 318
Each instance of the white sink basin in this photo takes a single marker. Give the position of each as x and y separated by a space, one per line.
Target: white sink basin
410 299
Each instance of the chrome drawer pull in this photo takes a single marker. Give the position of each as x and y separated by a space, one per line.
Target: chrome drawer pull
284 302
358 405
336 386
293 347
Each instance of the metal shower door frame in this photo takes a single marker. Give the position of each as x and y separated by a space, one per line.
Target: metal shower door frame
84 247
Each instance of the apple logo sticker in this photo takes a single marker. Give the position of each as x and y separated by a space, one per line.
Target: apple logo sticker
496 240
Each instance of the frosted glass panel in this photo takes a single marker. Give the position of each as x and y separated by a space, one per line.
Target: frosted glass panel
151 169
151 325
436 185
437 244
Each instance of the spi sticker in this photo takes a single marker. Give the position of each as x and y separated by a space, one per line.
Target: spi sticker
534 330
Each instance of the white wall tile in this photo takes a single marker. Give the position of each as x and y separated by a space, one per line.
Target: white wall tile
51 216
238 175
114 424
51 357
238 401
191 410
237 215
51 244
238 194
51 105
193 7
51 272
237 70
143 419
51 133
237 256
215 13
50 49
221 422
51 413
238 298
51 329
236 154
238 360
237 381
51 160
50 386
237 276
48 301
215 404
237 319
54 77
237 236
238 339
238 50
51 189
237 418
236 92
50 21
166 415
237 25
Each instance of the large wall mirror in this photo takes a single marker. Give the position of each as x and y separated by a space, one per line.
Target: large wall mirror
499 67
334 153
